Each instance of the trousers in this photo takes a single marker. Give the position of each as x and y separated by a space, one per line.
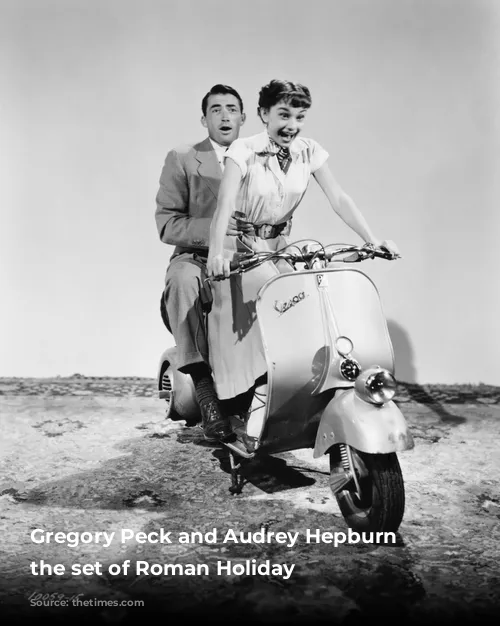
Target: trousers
185 316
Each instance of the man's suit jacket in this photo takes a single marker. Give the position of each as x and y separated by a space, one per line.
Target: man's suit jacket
187 198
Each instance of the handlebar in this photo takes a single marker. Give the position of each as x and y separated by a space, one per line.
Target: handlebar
310 253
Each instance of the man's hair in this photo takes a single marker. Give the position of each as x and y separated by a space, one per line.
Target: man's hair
293 94
220 89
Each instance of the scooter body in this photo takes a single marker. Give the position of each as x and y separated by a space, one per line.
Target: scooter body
311 403
328 354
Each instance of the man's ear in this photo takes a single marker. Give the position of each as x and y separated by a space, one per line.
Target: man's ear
203 121
243 118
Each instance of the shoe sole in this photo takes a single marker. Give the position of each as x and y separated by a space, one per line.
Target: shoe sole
221 439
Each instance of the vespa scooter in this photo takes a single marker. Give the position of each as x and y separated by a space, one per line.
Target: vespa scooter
330 381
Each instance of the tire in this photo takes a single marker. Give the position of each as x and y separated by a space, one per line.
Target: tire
382 503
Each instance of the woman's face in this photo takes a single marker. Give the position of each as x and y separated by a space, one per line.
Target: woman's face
283 122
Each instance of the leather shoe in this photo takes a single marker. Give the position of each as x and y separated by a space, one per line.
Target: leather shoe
251 443
216 427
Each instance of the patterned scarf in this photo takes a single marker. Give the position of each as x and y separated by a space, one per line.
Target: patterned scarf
282 154
284 158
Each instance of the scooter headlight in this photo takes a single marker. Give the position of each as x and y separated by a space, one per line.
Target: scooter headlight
376 385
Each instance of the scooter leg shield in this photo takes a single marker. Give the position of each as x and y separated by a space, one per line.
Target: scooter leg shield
367 427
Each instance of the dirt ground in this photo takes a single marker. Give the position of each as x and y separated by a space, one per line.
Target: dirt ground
95 454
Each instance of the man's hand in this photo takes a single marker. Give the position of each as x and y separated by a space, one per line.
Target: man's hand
238 226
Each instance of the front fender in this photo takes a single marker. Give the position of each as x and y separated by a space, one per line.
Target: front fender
369 428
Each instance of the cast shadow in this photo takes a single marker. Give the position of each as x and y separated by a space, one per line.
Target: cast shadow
406 374
268 473
375 579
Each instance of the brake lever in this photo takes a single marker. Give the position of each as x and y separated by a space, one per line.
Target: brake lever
355 257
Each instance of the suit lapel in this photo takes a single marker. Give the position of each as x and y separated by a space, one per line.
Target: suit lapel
209 169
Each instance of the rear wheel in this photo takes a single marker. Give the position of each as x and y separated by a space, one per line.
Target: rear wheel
379 503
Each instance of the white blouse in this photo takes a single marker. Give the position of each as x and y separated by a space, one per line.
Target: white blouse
267 195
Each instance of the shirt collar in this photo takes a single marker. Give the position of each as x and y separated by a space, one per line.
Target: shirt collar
219 150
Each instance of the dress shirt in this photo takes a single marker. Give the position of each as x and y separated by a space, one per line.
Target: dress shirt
220 152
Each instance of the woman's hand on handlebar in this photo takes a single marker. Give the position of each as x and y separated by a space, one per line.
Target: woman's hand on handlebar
388 245
217 266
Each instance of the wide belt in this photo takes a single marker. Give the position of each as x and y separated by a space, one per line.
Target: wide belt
270 231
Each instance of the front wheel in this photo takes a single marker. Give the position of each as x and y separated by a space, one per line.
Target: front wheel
379 503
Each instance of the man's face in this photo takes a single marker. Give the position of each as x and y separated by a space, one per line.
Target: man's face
223 119
284 122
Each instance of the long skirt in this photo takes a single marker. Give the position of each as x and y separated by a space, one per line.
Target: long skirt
236 350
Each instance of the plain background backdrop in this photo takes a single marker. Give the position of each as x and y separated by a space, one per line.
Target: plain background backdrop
94 93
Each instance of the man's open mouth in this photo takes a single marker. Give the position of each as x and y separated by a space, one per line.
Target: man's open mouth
225 129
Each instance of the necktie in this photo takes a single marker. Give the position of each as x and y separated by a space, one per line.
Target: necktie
222 156
284 158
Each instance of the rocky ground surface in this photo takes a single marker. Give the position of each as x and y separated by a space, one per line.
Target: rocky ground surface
96 454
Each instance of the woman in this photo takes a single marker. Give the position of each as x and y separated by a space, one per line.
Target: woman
265 178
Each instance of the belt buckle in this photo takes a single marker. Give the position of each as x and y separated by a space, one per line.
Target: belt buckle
266 231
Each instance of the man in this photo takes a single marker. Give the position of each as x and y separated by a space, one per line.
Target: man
186 202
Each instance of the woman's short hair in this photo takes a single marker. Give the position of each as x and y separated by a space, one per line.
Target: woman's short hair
294 94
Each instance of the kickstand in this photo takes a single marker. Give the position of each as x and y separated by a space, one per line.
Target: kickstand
236 479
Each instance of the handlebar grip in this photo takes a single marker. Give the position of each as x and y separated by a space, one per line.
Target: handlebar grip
242 261
389 256
234 265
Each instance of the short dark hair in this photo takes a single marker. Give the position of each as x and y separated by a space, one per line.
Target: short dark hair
220 89
294 94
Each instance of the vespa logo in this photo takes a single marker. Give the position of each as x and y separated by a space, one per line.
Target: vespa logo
283 307
321 280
